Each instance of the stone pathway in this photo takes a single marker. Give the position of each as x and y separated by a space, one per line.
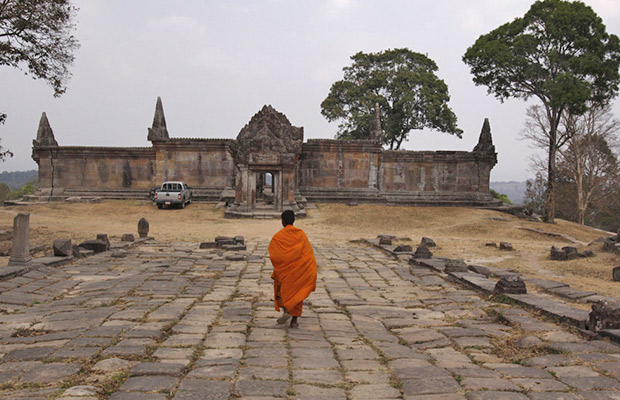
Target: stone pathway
176 322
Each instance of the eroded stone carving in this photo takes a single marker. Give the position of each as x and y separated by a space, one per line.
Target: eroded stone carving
269 138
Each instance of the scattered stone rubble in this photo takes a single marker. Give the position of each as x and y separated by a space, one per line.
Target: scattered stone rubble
568 253
604 315
236 243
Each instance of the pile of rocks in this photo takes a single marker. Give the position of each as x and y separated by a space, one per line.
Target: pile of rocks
568 253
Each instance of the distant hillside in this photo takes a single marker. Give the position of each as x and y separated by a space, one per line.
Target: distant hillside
17 179
514 190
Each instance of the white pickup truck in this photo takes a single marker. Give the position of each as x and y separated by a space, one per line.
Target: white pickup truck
173 193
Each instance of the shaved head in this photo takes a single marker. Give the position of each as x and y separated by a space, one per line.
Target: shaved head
288 218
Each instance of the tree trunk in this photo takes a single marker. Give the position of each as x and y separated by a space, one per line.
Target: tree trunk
550 200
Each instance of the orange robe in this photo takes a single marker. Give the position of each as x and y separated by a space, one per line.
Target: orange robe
294 269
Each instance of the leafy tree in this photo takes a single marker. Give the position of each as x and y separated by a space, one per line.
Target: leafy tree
4 191
403 83
35 37
6 153
500 196
559 53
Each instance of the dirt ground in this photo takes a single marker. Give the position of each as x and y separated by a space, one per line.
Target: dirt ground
459 232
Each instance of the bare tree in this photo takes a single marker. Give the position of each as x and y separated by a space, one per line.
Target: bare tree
587 162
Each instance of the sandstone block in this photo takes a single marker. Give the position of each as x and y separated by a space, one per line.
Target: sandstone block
386 240
456 266
403 248
511 284
422 252
571 252
479 269
143 228
97 246
239 240
428 242
605 314
128 237
587 254
616 274
104 238
62 247
208 245
557 254
505 246
490 244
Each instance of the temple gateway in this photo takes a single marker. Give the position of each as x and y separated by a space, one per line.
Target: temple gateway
267 169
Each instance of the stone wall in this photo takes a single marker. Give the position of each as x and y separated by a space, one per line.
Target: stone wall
318 170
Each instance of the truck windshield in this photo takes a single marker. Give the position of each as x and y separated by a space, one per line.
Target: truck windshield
173 187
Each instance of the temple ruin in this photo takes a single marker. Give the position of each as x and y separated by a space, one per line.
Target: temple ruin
267 168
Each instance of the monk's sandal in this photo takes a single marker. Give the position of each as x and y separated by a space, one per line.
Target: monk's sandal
285 317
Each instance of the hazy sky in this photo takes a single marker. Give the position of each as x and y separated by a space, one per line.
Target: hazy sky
216 63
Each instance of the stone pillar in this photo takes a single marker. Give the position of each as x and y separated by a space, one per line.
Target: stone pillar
20 253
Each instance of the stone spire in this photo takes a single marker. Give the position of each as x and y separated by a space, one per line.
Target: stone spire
158 131
376 133
45 135
485 142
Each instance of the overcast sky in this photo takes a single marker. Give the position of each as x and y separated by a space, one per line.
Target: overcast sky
216 63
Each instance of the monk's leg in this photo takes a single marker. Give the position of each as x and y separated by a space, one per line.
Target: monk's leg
296 312
285 314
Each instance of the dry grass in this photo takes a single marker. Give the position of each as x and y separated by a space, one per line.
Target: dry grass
459 232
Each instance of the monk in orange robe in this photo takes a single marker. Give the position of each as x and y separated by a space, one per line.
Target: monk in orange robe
294 269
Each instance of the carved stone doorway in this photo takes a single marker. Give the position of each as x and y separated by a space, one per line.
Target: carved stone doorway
266 154
267 190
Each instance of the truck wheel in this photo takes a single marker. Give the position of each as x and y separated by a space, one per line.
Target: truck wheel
160 206
183 204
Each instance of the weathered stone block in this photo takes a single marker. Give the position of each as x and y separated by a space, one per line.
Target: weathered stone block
104 238
386 240
234 247
605 314
403 248
128 237
62 247
239 240
97 246
505 246
616 274
557 254
479 269
610 244
428 242
456 266
571 252
20 252
208 245
143 228
586 254
75 249
422 252
511 284
491 244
